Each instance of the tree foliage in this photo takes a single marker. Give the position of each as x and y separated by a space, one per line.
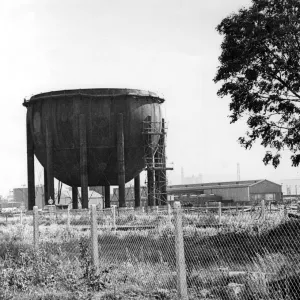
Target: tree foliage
260 70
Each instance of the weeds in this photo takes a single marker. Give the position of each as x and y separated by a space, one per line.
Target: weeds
140 264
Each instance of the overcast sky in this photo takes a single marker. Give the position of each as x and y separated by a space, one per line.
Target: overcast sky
167 46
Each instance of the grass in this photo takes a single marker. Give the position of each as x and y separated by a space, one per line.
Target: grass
140 264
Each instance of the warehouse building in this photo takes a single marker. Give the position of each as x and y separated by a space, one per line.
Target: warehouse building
20 196
65 200
242 192
129 196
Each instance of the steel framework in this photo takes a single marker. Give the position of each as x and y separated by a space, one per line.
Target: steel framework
155 161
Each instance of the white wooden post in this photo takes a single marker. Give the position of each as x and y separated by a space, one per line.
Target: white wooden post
94 236
180 258
169 213
113 210
206 205
35 227
220 212
51 210
285 210
263 215
68 218
21 217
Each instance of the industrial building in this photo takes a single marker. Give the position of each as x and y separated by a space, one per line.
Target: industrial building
242 192
290 186
20 196
190 179
130 196
65 200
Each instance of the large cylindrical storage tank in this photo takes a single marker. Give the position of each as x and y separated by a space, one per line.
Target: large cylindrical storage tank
101 107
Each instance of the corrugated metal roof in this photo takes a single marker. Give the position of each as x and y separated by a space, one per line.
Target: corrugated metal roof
223 183
214 185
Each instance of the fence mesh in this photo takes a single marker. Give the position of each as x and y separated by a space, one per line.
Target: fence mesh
249 252
139 249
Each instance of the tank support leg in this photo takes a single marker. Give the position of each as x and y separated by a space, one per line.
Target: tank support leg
107 196
151 187
137 191
45 187
74 197
49 164
150 163
121 160
30 166
157 176
163 173
83 162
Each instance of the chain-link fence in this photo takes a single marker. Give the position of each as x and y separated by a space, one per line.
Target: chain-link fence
242 252
238 252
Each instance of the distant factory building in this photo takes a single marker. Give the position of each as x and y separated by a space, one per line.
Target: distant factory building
65 200
227 192
290 186
190 180
96 198
20 196
9 201
129 196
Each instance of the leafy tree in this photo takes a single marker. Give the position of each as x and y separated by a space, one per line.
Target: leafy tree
260 70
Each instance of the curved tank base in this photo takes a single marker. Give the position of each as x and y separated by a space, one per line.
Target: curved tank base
99 174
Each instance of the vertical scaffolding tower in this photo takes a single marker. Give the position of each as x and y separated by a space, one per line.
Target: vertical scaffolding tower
155 161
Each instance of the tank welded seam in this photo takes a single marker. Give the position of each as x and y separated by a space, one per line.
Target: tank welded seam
74 148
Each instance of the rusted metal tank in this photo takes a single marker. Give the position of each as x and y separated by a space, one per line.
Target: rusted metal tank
101 108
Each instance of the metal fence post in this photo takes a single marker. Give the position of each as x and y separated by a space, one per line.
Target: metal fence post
94 236
220 212
180 258
35 227
113 209
263 212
